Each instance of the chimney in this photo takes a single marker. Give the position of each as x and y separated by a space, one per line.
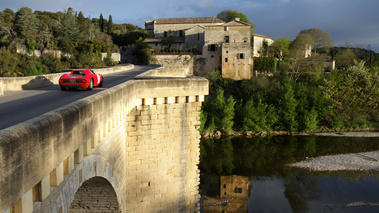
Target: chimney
237 19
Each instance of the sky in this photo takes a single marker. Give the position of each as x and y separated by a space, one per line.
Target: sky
353 23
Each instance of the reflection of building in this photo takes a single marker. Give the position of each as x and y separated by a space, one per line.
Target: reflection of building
234 194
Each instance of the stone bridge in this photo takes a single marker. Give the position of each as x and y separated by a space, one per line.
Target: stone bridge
141 136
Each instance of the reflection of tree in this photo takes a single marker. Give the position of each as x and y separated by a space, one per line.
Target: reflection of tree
267 156
301 188
263 156
216 156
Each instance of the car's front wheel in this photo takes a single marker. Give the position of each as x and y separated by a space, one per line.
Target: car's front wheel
90 86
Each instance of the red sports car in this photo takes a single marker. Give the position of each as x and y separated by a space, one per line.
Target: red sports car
81 78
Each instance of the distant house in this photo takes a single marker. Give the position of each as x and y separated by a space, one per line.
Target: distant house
222 45
187 32
258 44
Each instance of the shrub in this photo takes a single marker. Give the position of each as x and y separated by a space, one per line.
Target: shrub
265 64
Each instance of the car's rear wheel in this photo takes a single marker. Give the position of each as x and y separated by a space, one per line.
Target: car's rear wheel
90 86
101 82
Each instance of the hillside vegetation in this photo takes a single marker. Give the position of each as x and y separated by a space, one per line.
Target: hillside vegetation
80 39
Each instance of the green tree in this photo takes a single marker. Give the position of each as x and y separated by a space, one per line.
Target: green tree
6 27
82 22
345 58
142 52
281 47
110 25
300 46
101 22
230 15
25 21
353 95
69 25
257 117
8 62
220 113
321 39
287 106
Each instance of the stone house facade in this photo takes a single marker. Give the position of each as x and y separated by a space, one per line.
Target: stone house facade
223 46
258 44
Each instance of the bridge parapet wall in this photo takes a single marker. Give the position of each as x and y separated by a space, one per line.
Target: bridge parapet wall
32 82
145 130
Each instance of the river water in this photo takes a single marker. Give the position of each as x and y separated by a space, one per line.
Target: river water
250 175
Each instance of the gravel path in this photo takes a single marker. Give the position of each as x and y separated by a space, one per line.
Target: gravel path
357 161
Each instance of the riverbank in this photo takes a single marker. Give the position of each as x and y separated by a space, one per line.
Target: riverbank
366 133
362 161
345 134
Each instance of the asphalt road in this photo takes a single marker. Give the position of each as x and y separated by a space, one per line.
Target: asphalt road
19 106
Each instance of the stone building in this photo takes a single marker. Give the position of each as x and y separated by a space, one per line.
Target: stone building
223 46
186 32
258 44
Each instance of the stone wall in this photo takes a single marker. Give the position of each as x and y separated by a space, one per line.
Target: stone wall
172 60
187 62
237 62
145 143
60 54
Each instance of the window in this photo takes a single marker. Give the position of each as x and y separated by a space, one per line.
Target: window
212 47
165 34
226 60
241 56
180 33
226 28
226 39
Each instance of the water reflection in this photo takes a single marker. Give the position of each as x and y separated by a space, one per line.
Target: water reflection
226 194
249 175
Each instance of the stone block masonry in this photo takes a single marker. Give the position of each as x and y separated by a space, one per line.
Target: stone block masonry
141 136
166 150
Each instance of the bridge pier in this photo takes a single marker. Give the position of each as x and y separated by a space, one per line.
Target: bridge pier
141 136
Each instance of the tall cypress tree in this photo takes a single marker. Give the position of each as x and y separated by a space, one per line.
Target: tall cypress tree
110 25
82 24
101 23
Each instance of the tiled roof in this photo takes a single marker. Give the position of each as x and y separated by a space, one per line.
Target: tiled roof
236 23
262 36
195 20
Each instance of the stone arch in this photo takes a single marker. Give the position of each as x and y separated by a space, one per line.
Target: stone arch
96 193
93 166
